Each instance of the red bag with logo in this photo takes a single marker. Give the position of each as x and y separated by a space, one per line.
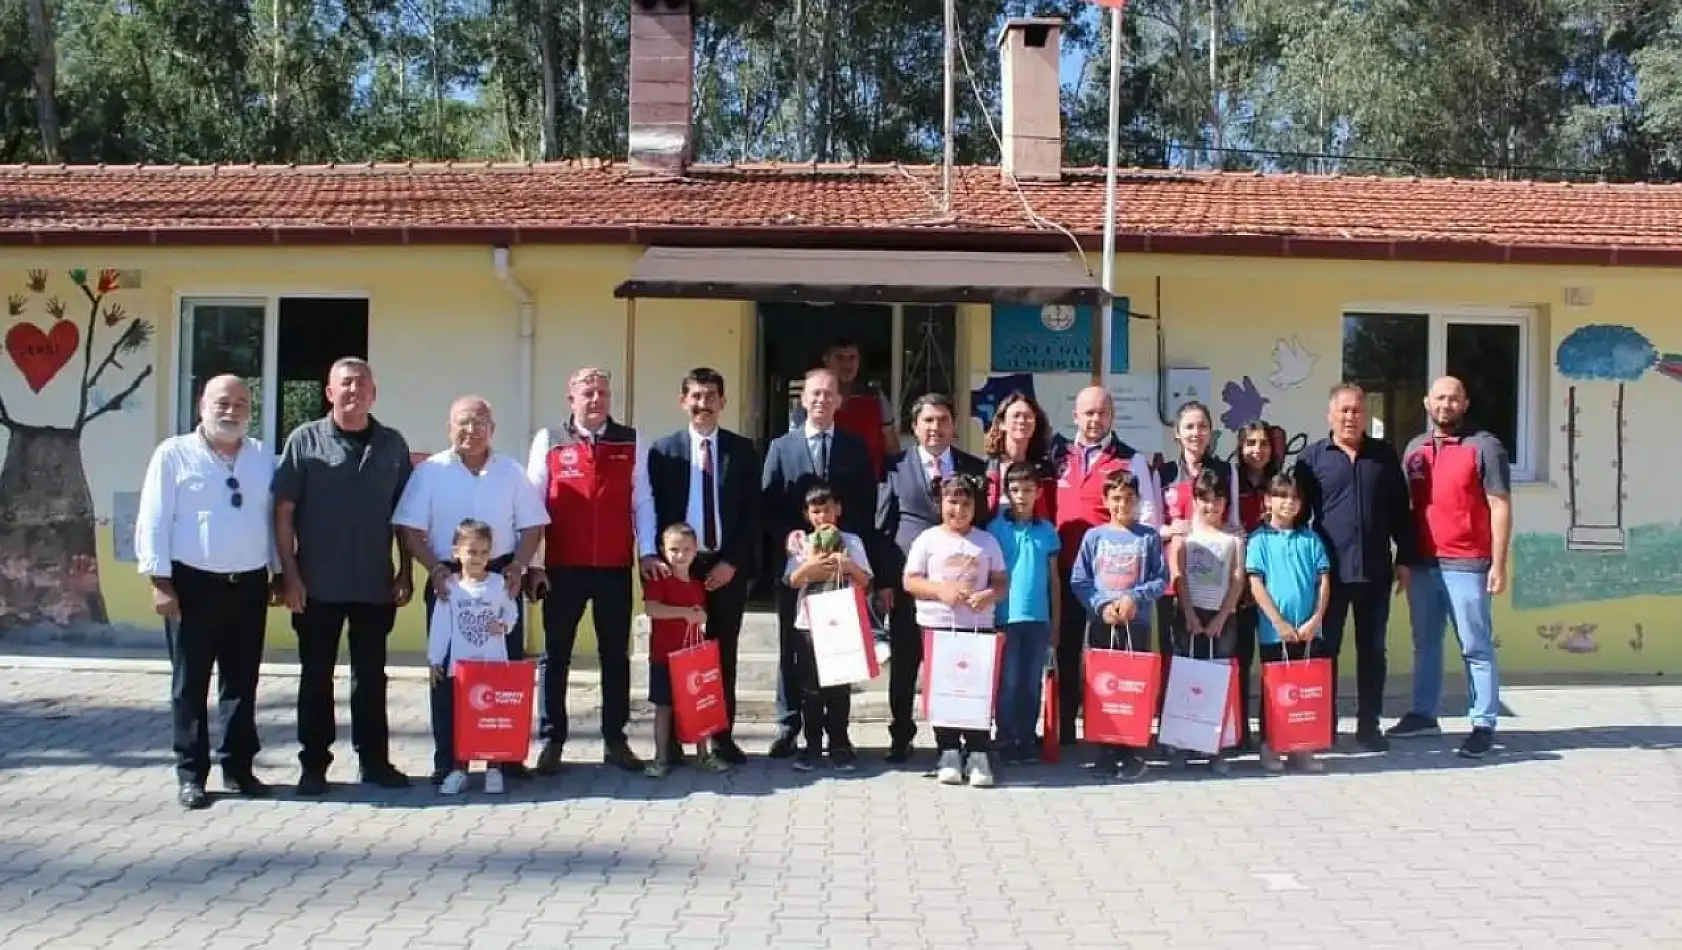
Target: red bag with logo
1119 701
493 700
1297 705
1051 725
698 709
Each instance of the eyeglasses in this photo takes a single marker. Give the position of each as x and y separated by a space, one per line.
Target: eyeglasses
233 485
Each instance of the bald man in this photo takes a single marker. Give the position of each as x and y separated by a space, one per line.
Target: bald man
204 538
470 480
1082 465
1461 485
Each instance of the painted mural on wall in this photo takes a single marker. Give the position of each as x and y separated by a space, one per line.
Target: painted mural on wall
77 355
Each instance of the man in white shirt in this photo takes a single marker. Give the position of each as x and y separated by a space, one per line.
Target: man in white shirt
204 538
468 481
593 475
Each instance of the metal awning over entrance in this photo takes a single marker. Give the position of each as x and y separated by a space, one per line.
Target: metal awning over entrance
841 276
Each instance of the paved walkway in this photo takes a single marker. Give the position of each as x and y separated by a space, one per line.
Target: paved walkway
1572 837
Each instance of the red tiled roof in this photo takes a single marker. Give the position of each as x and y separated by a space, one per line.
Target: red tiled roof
879 205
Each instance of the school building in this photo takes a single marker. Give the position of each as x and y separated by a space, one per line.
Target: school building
126 288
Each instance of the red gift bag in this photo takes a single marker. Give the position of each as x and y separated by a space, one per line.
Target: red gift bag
1235 711
698 709
1119 700
493 700
1051 725
1297 705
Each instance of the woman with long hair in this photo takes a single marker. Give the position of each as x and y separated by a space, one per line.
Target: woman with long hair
1020 433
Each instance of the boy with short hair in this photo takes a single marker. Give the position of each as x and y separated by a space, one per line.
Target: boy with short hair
1119 574
1029 613
823 559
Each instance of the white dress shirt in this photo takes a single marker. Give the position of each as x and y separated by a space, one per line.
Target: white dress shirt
642 496
187 511
696 514
944 460
443 492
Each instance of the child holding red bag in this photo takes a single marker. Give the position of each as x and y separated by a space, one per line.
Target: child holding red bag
676 608
1290 577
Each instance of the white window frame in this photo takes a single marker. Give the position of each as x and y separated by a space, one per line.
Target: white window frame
181 408
1526 457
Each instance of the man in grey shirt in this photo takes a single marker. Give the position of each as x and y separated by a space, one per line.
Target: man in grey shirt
335 490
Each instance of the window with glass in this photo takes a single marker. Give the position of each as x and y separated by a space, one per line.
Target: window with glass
1394 357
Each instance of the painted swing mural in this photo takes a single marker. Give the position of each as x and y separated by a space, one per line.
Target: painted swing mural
77 357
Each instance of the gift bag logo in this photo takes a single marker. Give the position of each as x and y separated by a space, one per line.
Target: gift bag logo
1106 684
481 697
694 683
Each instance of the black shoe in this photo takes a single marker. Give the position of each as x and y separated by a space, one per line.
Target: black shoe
1414 726
437 778
246 785
1478 744
805 760
192 797
784 745
513 770
312 783
899 753
549 760
1131 766
728 751
844 760
1371 739
620 756
384 776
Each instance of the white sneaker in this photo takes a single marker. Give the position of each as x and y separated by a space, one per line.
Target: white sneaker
454 783
980 770
951 771
493 781
884 652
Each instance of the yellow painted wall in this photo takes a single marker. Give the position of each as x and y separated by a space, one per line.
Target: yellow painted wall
441 325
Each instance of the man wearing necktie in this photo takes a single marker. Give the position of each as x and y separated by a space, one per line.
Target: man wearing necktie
705 476
907 505
816 452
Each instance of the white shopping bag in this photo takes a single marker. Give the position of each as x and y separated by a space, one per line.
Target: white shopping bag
842 639
1195 705
960 678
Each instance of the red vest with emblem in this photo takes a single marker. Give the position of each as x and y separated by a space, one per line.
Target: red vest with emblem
1450 508
589 499
861 414
1080 491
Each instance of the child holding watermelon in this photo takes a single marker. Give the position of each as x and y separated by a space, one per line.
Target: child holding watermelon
826 558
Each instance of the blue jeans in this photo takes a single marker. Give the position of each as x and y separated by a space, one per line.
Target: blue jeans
1435 598
1022 679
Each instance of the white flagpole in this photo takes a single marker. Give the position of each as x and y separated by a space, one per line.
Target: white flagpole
1106 313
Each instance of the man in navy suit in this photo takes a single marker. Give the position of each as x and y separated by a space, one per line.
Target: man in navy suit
817 451
909 504
705 477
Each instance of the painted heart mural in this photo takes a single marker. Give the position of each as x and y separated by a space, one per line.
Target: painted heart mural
80 356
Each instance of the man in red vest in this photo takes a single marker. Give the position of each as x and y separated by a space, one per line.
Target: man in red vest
1081 466
593 473
863 411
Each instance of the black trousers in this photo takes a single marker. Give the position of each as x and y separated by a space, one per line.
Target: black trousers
319 628
791 696
725 607
442 694
607 590
825 710
1367 605
222 619
1071 651
1245 652
905 639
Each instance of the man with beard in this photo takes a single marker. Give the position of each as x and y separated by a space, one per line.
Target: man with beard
1355 493
335 490
707 477
204 538
1461 485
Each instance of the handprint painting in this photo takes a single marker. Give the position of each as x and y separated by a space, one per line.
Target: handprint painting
78 360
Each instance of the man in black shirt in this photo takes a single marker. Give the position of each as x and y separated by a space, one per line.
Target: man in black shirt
1357 495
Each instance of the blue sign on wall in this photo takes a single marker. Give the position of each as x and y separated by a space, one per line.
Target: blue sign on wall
1053 339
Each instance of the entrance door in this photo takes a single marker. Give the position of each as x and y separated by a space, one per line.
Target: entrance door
793 338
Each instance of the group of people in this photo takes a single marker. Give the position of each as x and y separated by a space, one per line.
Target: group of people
1052 543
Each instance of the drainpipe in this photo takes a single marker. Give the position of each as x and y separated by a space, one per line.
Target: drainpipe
526 348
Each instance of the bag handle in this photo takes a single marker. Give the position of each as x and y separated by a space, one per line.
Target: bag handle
1128 627
693 636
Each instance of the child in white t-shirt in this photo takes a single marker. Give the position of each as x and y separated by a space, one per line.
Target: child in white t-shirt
1208 572
956 572
470 624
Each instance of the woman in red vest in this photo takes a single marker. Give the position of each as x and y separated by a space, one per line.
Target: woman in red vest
863 412
1020 433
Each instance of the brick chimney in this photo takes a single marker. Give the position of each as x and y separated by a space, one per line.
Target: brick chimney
662 83
1029 53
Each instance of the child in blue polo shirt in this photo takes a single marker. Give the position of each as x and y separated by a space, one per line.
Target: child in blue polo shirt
1029 613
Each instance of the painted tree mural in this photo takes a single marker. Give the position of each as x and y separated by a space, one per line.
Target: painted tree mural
49 565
